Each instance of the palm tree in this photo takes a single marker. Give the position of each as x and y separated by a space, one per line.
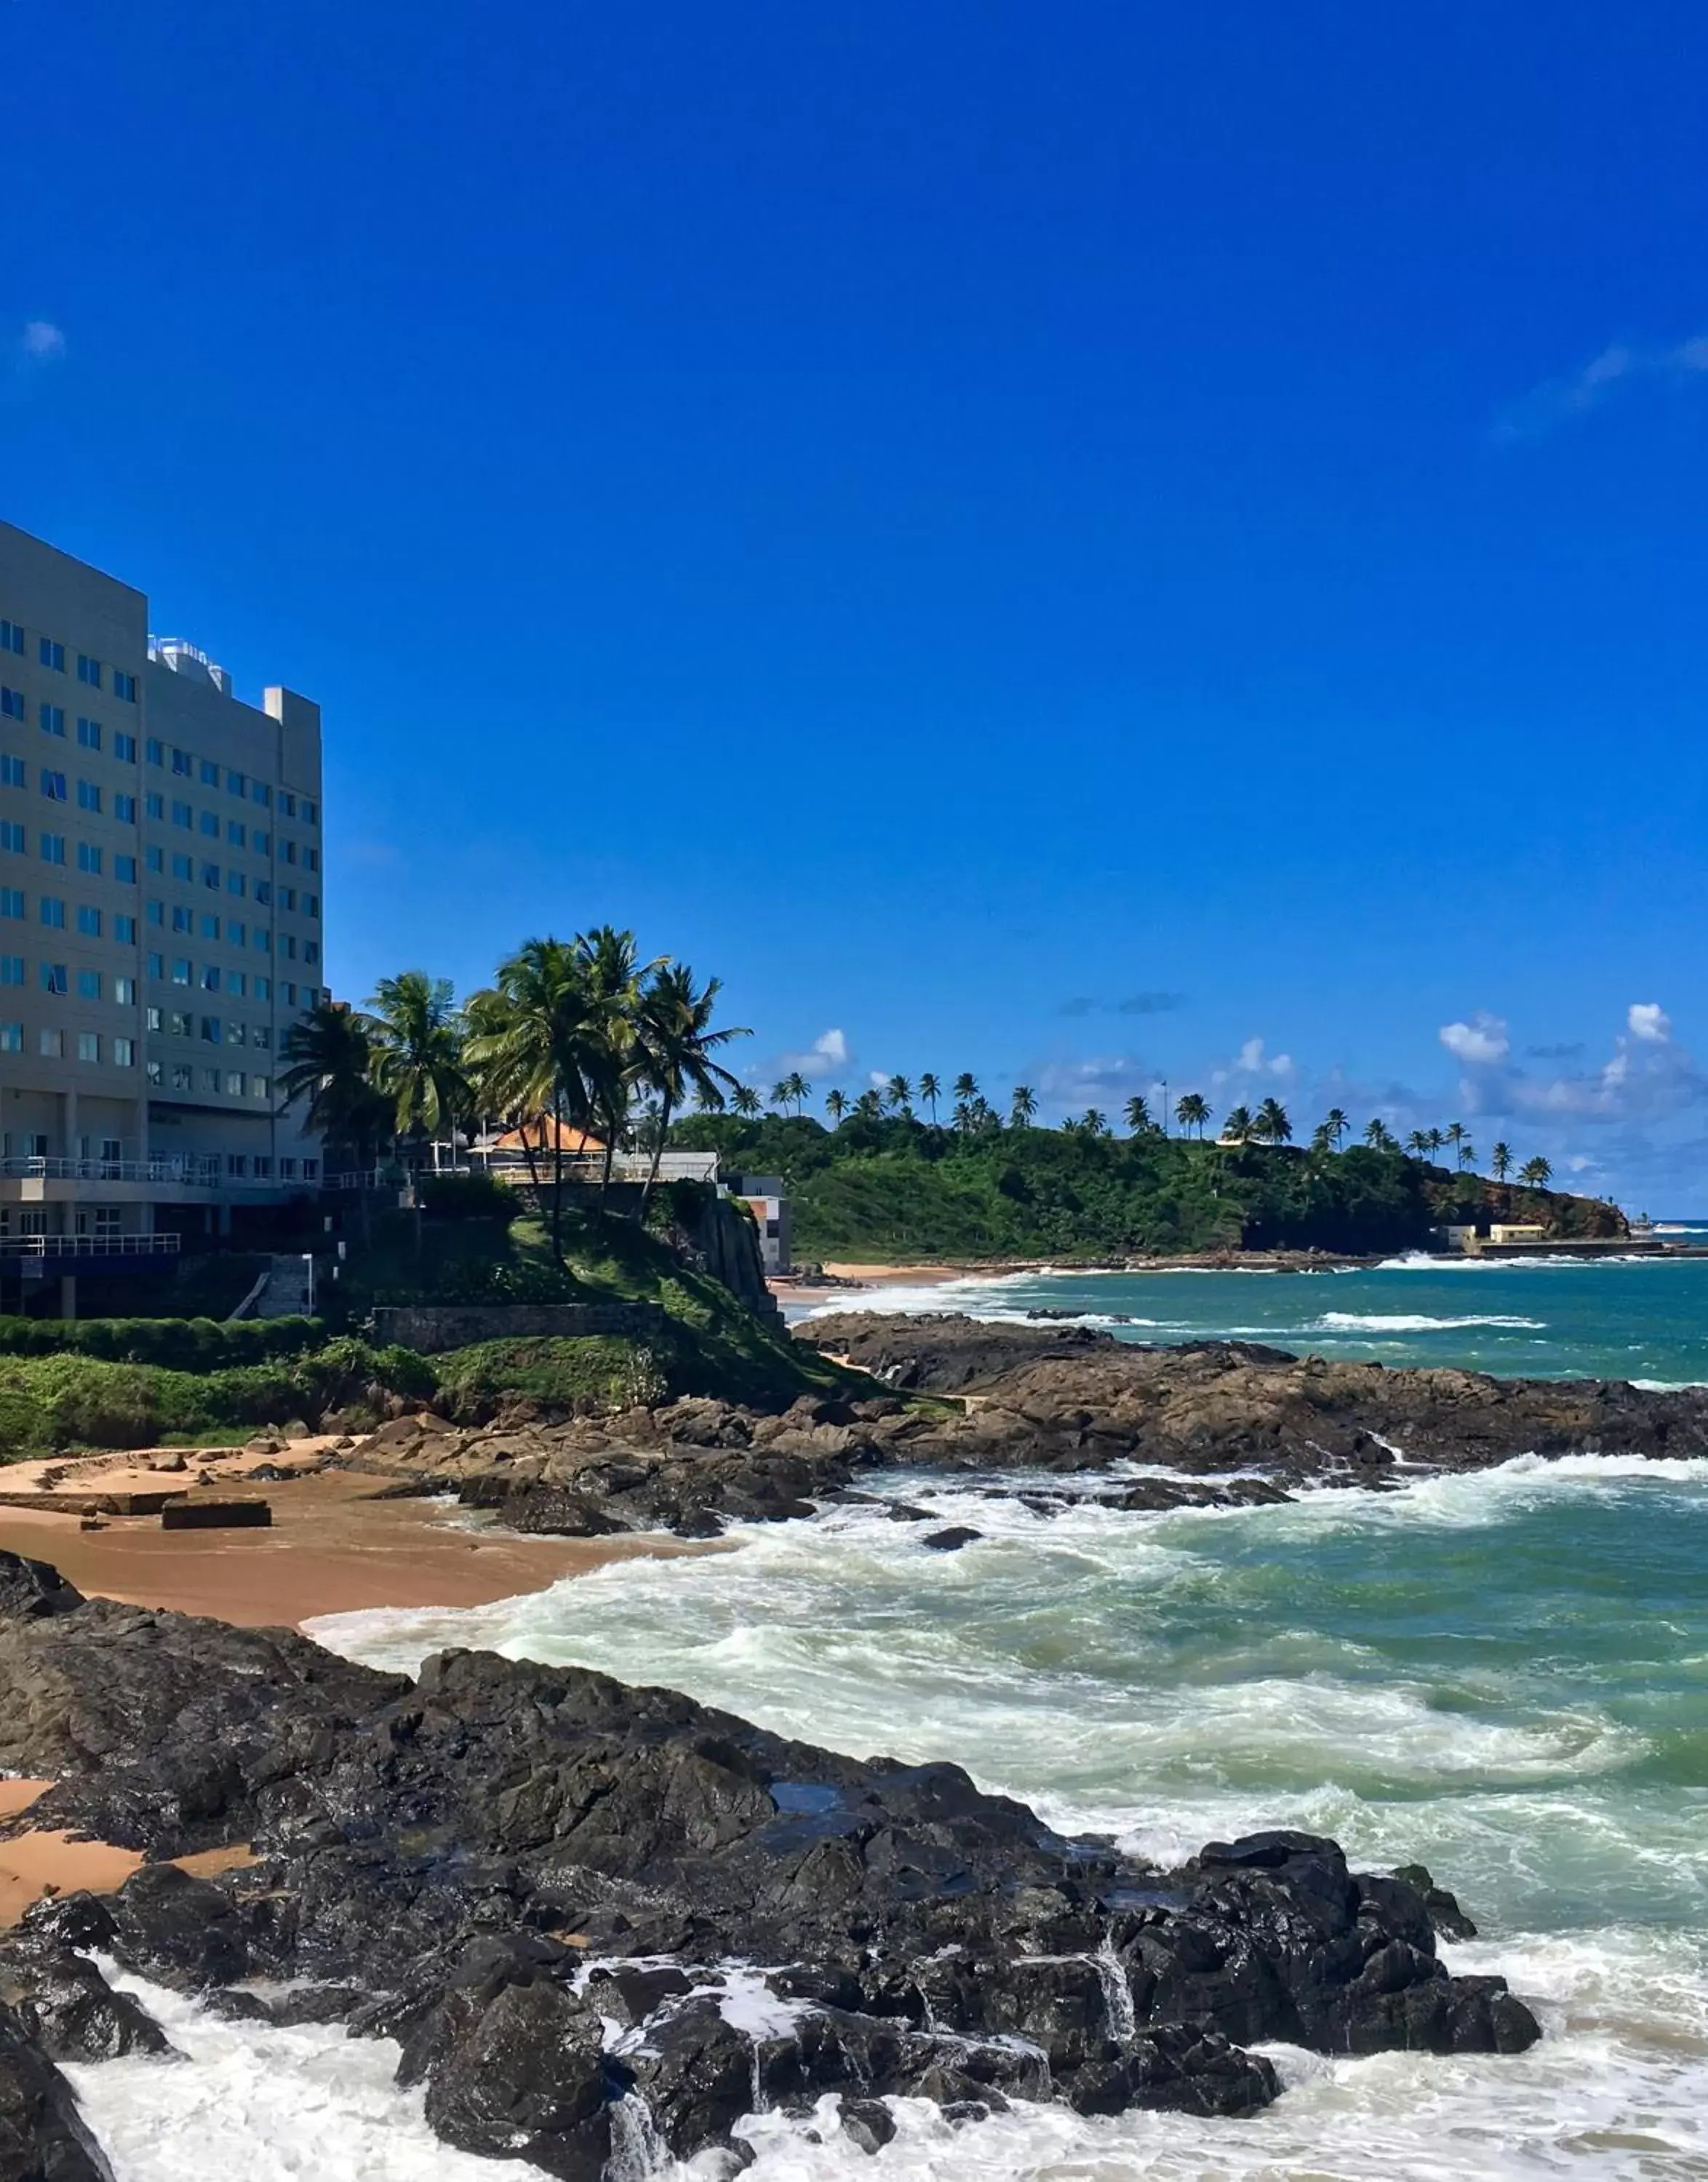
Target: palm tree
1138 1112
1380 1136
1500 1160
1271 1123
534 1051
1023 1108
835 1105
1536 1172
1336 1124
780 1093
674 1043
1239 1127
898 1093
417 1055
930 1090
1467 1154
747 1103
329 1060
1094 1124
1322 1138
1455 1137
869 1106
1417 1144
966 1088
1436 1140
1193 1112
614 974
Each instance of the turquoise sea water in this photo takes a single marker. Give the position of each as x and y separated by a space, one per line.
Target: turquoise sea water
1504 1675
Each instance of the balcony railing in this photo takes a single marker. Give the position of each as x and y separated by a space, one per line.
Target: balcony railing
88 1246
184 1170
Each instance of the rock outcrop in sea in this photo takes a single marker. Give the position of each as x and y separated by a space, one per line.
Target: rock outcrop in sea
595 1916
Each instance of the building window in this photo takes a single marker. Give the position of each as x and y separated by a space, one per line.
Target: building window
263 1164
234 883
88 858
88 796
11 1037
237 983
183 1077
210 773
262 792
89 734
210 824
52 718
311 904
263 939
311 950
311 858
155 751
155 859
233 1083
88 1045
124 808
236 784
287 900
287 1170
53 913
260 1087
88 671
182 816
125 870
11 637
210 1030
236 935
54 788
287 804
288 994
290 947
210 876
261 1038
51 1044
264 989
124 992
88 984
125 931
151 1019
53 848
11 969
12 706
181 974
311 1169
124 747
261 843
237 1034
55 979
184 867
51 654
13 772
263 890
12 836
11 901
182 764
288 849
156 1075
155 804
156 967
124 1053
311 811
237 1165
88 921
210 976
236 833
124 688
182 920
210 926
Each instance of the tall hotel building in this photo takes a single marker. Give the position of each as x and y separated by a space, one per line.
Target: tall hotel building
161 900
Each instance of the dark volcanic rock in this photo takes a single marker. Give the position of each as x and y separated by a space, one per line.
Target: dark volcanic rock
499 1854
61 2000
951 1540
42 2135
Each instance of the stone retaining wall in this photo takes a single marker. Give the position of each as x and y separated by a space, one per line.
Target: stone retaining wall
431 1328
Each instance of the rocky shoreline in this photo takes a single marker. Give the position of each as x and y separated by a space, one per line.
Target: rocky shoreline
1216 1421
552 1892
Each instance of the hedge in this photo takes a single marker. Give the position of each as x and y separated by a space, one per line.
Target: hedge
175 1344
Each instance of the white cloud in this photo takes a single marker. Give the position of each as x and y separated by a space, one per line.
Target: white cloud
1482 1041
1649 1020
1557 402
42 341
1254 1060
828 1051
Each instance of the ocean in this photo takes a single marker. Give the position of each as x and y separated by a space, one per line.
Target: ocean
1503 1676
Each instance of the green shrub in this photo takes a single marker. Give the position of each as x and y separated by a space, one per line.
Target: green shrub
468 1197
175 1345
591 1374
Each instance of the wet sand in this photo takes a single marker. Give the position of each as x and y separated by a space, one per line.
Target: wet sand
42 1861
332 1548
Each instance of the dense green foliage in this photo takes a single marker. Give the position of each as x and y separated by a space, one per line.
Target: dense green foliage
69 1401
894 1186
590 1376
177 1344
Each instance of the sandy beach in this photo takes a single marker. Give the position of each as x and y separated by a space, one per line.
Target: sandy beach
850 1279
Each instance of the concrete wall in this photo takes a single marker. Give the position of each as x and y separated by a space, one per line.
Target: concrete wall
432 1328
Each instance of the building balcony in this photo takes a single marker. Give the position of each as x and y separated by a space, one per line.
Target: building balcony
39 1181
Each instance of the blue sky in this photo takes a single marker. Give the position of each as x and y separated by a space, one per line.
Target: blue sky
1066 543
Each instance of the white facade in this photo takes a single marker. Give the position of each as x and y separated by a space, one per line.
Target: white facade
161 913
